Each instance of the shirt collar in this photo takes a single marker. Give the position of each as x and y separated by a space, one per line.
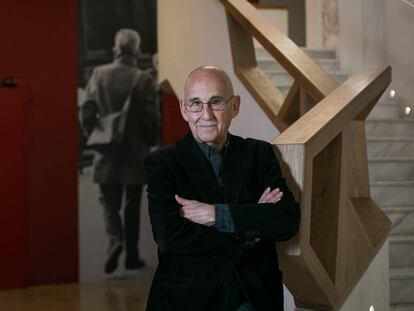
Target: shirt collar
210 151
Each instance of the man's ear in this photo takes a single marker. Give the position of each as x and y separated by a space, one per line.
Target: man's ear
235 106
184 112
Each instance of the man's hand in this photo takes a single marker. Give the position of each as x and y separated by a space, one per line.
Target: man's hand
198 212
270 196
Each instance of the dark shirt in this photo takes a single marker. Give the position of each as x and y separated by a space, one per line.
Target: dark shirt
224 221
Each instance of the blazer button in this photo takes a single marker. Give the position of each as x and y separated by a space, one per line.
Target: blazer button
224 283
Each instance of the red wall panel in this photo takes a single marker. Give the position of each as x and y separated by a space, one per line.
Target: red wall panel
39 45
173 126
13 209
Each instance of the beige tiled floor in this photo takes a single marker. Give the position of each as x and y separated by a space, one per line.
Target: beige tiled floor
125 295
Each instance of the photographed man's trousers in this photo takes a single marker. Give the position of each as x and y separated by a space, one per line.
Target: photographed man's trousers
114 197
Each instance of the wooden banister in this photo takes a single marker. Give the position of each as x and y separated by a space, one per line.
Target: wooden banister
334 112
324 158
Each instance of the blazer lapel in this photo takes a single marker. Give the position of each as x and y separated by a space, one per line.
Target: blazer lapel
234 168
198 170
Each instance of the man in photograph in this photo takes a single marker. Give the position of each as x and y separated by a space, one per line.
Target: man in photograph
119 171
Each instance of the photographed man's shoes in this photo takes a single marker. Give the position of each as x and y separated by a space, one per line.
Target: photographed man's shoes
135 264
112 261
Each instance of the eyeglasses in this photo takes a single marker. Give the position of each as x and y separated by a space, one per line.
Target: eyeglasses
216 104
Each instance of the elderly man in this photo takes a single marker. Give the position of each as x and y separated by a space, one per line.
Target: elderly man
217 204
120 171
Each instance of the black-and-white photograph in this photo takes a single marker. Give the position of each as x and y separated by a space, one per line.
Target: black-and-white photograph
119 123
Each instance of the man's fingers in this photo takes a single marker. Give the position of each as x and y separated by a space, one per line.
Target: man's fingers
277 197
271 196
261 200
268 197
181 200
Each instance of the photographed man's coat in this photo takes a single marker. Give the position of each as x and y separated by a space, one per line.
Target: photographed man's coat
106 92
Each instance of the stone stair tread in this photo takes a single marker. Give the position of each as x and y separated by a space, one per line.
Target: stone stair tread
390 138
398 209
402 307
280 71
401 238
380 183
318 49
402 273
304 48
390 120
394 159
318 60
307 50
388 103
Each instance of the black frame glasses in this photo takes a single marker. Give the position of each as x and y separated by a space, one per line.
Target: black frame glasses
215 103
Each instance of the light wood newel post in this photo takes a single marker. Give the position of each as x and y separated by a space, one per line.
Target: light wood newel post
342 228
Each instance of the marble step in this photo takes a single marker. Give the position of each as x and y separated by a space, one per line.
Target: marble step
267 63
385 110
390 128
390 146
313 53
284 88
402 251
401 286
392 193
402 307
392 169
402 218
280 77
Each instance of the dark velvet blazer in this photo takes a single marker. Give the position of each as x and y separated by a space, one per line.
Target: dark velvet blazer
199 265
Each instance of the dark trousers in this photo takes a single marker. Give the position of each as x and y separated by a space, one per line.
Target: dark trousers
111 198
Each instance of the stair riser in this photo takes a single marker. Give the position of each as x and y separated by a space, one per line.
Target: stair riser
390 148
260 52
391 170
402 291
403 307
385 112
402 222
266 64
284 89
402 254
393 195
389 129
281 78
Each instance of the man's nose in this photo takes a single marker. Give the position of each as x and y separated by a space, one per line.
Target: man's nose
207 112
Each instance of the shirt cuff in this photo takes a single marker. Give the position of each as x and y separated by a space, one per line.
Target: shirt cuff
245 307
224 221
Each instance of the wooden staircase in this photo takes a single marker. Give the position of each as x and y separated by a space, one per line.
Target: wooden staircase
390 146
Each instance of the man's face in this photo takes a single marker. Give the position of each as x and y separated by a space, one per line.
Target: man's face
209 126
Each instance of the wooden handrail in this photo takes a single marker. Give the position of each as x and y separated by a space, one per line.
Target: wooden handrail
324 121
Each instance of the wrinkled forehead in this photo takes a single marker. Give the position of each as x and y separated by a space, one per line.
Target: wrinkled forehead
205 90
205 85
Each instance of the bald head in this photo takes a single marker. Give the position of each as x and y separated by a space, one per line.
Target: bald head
208 85
206 75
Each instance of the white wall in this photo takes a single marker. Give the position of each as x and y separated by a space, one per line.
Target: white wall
399 33
361 34
375 33
314 24
278 18
192 33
